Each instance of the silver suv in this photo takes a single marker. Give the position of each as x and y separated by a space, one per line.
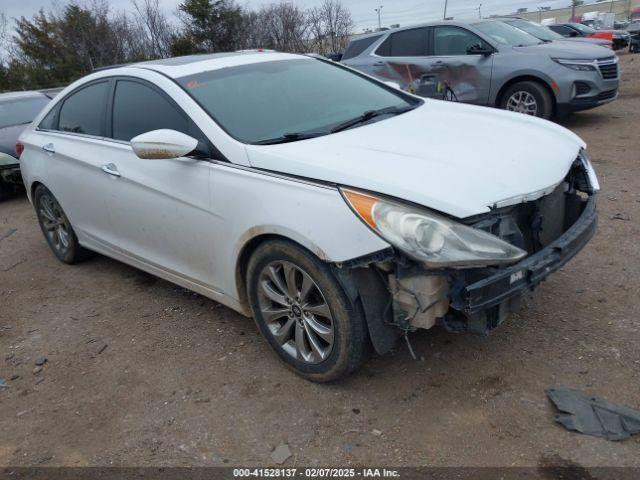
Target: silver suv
490 63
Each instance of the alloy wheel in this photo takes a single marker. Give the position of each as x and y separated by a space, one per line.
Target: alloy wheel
295 311
54 223
523 102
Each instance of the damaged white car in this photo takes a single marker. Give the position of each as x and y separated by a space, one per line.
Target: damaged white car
337 211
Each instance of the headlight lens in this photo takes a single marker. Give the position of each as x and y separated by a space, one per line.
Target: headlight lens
428 237
579 65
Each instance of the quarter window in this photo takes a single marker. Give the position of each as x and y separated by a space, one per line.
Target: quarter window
138 109
406 43
356 47
448 41
83 111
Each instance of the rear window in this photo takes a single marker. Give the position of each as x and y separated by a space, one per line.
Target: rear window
21 111
83 110
356 47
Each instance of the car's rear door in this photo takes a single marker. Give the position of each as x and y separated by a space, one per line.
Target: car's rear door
402 58
69 143
159 208
466 76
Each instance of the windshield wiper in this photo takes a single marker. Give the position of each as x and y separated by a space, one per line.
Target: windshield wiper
370 114
289 137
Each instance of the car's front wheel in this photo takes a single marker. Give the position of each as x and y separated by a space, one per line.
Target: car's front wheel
530 98
56 227
304 313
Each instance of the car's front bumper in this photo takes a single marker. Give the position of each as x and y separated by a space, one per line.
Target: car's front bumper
527 274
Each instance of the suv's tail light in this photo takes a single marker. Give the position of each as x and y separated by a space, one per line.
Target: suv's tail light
19 149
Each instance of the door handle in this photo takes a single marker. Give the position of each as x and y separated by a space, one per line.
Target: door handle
379 64
49 148
110 169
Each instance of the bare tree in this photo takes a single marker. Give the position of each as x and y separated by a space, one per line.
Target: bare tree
280 26
158 31
331 26
4 44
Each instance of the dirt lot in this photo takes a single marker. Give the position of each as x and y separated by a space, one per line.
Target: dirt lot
141 372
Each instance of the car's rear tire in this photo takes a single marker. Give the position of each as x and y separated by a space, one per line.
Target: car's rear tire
528 97
56 227
304 313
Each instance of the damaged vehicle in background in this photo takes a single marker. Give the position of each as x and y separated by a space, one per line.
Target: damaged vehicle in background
341 213
547 35
490 63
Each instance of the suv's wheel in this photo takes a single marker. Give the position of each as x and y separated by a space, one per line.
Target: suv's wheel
530 98
303 312
56 227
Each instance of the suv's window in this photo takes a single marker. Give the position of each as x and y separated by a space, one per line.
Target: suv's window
83 111
561 29
407 43
356 47
449 40
138 108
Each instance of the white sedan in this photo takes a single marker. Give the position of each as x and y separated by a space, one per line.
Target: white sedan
339 212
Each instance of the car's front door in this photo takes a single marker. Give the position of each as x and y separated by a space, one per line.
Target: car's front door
159 208
465 75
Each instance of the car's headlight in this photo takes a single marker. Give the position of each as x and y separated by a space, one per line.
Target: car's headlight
428 237
580 65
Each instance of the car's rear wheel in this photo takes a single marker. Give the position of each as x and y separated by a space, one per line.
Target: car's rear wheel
56 227
530 98
304 313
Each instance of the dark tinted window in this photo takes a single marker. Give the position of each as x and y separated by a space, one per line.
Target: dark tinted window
83 111
138 108
562 30
356 47
21 111
407 43
453 41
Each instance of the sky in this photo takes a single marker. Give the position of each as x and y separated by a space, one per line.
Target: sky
393 11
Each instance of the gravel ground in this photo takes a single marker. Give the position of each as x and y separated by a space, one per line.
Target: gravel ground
140 372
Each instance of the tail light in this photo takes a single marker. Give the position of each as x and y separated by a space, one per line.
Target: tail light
19 149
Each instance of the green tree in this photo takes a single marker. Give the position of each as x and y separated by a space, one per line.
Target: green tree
208 26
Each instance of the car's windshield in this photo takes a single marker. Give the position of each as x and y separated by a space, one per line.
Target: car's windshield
268 100
20 111
535 29
506 34
583 28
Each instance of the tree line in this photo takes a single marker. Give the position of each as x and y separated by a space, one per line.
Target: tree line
53 48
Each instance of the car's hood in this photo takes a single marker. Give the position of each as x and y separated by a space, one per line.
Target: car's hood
571 50
9 137
454 158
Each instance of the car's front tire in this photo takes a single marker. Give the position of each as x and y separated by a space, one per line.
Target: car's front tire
528 97
56 227
304 313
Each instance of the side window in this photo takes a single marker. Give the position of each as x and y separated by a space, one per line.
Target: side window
448 41
138 109
83 111
407 43
356 47
562 30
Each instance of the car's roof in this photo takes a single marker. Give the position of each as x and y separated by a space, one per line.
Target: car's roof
20 95
419 25
191 64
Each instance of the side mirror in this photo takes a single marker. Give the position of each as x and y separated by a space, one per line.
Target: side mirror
163 144
573 34
393 84
479 49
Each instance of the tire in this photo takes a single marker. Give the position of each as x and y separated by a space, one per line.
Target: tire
518 96
56 227
322 316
